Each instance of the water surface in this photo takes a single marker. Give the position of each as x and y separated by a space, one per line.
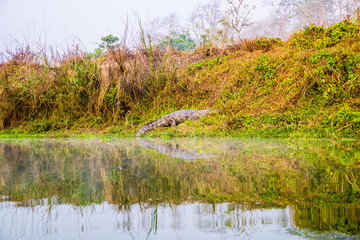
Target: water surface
216 188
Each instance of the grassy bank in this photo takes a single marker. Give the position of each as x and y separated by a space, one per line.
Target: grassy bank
308 86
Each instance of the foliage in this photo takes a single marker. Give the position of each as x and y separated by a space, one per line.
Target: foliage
109 42
344 120
333 72
265 70
265 44
209 64
179 41
319 37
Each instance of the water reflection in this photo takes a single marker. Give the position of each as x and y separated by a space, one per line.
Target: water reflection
173 149
185 221
122 187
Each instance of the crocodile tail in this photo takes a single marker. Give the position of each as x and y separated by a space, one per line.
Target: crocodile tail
142 130
146 128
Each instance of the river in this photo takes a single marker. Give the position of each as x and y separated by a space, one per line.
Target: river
186 188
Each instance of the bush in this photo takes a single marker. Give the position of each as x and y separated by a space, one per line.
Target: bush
319 37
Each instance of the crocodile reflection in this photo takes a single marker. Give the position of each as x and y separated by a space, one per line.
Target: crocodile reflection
173 150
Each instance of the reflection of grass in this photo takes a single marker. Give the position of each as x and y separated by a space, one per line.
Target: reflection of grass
272 172
306 174
328 217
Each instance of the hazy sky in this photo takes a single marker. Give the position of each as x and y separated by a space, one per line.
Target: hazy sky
60 23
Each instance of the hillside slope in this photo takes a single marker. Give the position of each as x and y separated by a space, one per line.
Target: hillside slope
308 86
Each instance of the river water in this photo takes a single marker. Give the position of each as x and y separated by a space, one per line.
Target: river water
187 188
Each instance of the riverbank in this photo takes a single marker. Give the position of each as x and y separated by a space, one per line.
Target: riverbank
184 131
306 87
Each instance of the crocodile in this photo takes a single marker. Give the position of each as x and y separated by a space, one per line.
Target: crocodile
174 119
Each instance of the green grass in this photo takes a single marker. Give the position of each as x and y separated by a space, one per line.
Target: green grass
307 87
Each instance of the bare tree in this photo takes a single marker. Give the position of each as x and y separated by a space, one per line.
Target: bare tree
352 8
196 24
289 15
280 23
205 21
238 16
282 17
154 30
171 24
311 12
325 12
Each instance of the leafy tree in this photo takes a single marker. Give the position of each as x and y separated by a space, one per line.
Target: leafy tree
180 41
109 42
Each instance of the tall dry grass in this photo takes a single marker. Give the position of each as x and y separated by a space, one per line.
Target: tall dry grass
60 90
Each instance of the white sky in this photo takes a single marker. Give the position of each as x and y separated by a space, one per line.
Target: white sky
61 22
